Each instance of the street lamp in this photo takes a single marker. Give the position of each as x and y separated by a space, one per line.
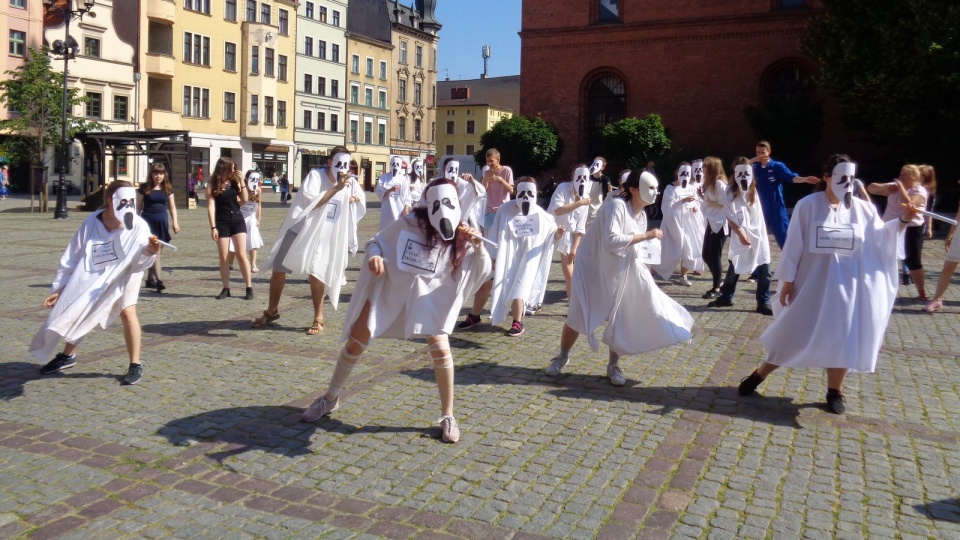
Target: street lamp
68 9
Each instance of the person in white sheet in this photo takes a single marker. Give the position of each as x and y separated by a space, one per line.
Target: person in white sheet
639 316
469 189
251 212
569 205
98 279
749 245
393 189
696 216
314 238
682 238
599 186
838 283
524 234
615 188
417 180
417 274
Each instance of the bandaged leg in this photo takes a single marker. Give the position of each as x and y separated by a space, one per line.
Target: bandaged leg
345 365
443 371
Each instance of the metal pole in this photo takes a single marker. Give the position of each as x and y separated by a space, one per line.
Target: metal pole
61 210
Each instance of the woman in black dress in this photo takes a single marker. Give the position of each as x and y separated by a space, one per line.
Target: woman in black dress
156 198
226 192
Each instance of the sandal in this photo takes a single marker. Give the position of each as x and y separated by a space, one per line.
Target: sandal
316 327
265 319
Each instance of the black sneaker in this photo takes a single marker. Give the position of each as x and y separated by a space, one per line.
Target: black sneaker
160 286
133 374
764 309
720 302
151 283
515 329
60 361
711 294
249 295
471 321
835 402
225 293
749 384
905 279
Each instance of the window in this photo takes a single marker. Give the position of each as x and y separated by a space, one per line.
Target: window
308 46
268 111
433 96
91 47
354 126
369 67
308 83
282 68
368 97
367 132
416 129
307 119
334 122
196 49
469 150
309 10
18 4
335 53
122 165
354 64
229 106
196 102
94 105
354 94
383 70
448 150
265 13
606 103
786 83
322 86
201 6
281 114
402 128
334 89
251 11
382 99
230 56
417 93
471 127
336 18
403 52
284 22
268 57
451 129
403 90
230 10
254 109
120 108
419 63
321 121
255 60
18 43
382 134
608 11
322 49
323 14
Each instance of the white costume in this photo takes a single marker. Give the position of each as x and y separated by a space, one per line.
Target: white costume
418 180
596 190
249 213
640 317
472 194
524 234
355 212
682 237
750 218
418 295
844 269
574 222
392 205
99 275
714 207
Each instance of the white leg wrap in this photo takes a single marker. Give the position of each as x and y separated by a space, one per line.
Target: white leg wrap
440 352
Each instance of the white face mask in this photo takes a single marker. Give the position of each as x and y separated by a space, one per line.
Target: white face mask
597 166
648 188
623 177
580 177
397 166
452 172
683 175
743 176
526 196
697 166
842 182
124 203
418 170
341 164
253 182
443 209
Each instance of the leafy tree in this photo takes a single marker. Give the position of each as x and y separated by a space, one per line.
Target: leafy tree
635 141
894 68
791 125
528 145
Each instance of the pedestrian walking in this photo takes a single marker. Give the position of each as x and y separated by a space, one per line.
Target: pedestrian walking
226 193
155 199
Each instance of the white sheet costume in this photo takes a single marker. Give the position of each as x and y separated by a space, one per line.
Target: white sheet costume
99 275
472 194
418 180
750 218
640 317
574 222
355 212
843 266
249 213
392 205
682 234
524 234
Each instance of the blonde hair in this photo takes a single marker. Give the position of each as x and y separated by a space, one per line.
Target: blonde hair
913 171
713 172
928 178
493 153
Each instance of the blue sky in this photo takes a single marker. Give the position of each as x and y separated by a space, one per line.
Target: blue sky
468 25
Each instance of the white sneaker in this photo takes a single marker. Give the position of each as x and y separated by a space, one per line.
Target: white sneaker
319 408
556 365
684 281
616 376
450 429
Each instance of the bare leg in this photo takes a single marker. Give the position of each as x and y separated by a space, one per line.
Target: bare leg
157 267
240 247
277 282
480 299
949 267
765 369
70 348
835 378
568 338
567 266
317 289
516 307
919 276
223 251
253 258
443 371
131 332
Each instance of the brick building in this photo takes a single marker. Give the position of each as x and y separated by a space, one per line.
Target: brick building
697 63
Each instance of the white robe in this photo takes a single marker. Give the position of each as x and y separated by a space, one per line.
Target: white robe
417 295
750 217
472 197
842 303
574 222
99 275
682 236
522 258
392 205
714 208
610 283
356 212
254 238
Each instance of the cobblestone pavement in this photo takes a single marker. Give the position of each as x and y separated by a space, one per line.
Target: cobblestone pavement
209 443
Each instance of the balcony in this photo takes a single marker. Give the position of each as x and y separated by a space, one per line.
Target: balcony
159 65
260 131
161 119
162 11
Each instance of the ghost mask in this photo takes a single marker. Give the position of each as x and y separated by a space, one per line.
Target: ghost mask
526 196
253 182
397 166
597 167
341 164
648 187
743 176
443 209
580 177
452 170
125 206
697 166
418 170
841 182
683 175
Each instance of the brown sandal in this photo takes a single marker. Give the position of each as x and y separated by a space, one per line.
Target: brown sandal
265 319
316 327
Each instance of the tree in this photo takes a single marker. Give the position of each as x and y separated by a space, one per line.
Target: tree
528 145
894 68
792 125
635 141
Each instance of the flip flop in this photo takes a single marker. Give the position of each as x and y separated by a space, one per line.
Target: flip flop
316 327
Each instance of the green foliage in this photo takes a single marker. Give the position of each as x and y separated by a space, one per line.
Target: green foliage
894 67
634 141
527 145
791 125
35 91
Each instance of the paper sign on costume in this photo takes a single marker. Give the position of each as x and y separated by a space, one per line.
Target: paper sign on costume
333 210
416 257
649 251
683 193
103 255
525 225
834 238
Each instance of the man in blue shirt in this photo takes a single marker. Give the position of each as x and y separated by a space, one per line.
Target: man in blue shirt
770 176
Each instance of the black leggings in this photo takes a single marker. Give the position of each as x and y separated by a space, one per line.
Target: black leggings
712 254
912 245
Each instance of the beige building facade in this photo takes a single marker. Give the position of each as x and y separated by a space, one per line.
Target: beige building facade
368 106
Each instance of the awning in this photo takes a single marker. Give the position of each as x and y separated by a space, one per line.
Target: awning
277 148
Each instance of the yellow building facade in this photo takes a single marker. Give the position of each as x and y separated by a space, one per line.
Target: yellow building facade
461 122
368 105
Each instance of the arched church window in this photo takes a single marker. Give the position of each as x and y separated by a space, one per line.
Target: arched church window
605 103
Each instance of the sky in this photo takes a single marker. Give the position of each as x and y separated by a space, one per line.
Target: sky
468 25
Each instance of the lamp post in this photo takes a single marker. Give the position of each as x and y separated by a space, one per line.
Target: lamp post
68 9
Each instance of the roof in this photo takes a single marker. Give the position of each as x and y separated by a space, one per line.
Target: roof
500 92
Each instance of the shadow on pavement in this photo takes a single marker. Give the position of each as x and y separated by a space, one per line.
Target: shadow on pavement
943 510
195 328
14 377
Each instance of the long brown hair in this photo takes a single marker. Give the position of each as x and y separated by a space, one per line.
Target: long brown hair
223 174
928 179
713 172
460 238
165 184
735 187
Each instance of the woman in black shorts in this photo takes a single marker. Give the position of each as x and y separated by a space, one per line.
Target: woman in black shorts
226 192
